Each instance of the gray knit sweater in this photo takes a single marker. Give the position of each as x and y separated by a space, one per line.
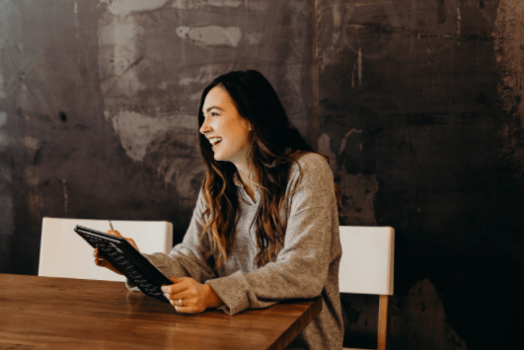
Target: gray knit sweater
307 265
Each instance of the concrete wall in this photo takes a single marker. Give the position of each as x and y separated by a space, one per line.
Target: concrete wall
418 103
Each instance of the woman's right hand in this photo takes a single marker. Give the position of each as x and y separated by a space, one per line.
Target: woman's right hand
99 259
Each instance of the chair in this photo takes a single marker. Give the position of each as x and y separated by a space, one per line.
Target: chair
63 253
366 267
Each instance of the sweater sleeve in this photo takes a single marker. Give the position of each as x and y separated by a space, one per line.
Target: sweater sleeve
301 267
186 259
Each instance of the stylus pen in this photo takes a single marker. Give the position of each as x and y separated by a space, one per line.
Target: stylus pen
111 225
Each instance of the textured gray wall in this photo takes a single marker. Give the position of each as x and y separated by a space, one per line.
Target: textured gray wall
418 103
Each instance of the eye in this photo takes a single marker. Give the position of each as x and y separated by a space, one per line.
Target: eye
214 114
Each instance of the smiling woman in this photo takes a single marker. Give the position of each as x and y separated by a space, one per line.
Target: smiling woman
265 225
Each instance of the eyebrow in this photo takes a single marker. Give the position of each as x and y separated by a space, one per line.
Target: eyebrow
213 107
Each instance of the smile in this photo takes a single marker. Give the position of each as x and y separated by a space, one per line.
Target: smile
215 141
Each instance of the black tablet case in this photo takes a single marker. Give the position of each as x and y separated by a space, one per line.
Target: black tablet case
124 257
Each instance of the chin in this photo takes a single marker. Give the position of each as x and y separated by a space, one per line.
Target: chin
221 155
218 158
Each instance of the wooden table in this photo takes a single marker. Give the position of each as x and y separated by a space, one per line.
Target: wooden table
61 313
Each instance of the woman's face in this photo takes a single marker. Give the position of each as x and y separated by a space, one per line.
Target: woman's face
225 128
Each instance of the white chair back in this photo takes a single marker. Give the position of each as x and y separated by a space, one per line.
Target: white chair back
63 253
367 262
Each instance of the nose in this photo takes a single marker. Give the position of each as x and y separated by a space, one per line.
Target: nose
205 127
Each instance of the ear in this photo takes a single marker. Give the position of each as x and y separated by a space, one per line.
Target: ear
250 127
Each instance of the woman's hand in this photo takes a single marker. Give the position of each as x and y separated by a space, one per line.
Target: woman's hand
189 296
99 259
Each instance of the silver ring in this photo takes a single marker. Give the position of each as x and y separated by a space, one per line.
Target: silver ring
179 302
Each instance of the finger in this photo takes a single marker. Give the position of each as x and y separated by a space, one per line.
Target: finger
186 293
183 309
175 288
97 253
101 262
107 264
174 281
185 296
132 242
178 302
114 233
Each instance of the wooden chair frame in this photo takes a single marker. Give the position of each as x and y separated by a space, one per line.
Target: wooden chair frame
377 252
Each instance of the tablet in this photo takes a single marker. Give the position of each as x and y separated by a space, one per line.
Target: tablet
126 259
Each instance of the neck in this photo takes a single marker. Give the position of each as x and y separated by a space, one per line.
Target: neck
248 179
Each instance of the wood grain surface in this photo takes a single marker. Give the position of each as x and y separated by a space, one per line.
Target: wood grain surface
60 313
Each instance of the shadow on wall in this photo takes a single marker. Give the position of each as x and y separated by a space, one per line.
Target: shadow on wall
409 315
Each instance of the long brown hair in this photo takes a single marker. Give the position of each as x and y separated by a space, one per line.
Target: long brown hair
274 146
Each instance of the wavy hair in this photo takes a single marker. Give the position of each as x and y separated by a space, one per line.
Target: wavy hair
274 146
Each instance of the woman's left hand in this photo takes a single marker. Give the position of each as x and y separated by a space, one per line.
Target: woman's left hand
189 296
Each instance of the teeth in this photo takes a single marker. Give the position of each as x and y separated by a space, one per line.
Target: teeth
215 140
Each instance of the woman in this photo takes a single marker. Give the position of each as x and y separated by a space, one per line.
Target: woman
265 226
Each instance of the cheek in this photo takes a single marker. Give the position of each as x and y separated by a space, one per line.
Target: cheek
241 139
237 135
